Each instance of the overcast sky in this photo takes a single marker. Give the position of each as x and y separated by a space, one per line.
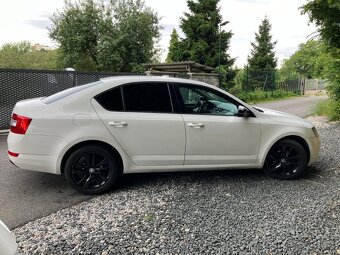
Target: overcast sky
29 19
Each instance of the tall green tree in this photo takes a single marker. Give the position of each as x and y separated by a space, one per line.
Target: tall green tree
173 50
262 61
116 35
20 55
201 29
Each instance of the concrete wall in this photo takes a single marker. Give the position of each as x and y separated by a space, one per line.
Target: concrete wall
205 77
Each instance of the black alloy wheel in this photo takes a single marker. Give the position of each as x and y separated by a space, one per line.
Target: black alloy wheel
287 160
91 170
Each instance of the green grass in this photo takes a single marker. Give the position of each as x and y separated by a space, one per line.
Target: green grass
263 96
328 108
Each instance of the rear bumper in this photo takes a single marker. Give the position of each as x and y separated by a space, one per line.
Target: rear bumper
40 163
314 149
35 151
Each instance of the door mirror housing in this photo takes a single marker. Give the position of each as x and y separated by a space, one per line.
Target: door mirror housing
242 111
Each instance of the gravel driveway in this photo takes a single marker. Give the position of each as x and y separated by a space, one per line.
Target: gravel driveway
218 212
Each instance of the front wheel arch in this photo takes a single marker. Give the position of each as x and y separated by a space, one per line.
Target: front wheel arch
302 142
107 146
296 138
286 159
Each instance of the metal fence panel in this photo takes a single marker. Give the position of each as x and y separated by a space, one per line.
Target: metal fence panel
17 84
315 84
291 85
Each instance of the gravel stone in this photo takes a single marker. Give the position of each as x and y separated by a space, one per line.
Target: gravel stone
215 212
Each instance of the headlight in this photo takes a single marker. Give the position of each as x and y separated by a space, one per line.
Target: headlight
315 132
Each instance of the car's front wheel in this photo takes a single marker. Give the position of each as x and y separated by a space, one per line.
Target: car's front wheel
91 169
287 160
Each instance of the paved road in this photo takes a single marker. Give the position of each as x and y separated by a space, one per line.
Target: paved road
26 195
301 106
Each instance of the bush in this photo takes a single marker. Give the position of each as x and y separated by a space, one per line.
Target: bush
260 96
236 90
329 108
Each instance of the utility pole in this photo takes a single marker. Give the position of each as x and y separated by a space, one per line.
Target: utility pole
219 52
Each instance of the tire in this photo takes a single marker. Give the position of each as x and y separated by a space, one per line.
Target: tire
91 170
286 160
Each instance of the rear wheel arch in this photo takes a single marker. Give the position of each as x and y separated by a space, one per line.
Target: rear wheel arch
118 158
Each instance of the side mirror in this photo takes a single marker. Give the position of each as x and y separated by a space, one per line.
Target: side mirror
242 111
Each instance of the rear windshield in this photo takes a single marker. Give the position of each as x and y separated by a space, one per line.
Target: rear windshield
65 93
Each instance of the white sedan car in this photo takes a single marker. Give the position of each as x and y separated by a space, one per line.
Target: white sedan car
96 132
8 246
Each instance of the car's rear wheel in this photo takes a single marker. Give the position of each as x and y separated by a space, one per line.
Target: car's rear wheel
287 160
91 169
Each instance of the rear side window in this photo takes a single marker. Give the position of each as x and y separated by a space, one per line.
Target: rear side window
111 100
65 93
147 97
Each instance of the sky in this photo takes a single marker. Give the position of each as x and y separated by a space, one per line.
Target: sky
29 19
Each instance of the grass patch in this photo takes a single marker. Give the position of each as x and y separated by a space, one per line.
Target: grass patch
263 96
329 108
149 217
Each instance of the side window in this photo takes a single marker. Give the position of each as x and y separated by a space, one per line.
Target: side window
147 97
111 100
189 96
202 100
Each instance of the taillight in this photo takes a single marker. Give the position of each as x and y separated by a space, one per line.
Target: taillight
13 154
19 124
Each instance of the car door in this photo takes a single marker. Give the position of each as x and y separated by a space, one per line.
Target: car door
215 134
140 117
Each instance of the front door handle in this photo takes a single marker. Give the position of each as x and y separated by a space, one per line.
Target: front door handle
195 125
117 124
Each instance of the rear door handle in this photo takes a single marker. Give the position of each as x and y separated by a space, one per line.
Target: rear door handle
195 125
117 124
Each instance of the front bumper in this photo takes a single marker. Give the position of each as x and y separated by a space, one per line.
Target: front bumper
7 241
314 149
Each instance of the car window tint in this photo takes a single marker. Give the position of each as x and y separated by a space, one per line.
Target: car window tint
201 100
111 100
65 93
147 97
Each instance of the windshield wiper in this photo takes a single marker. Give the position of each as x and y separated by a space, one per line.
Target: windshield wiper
258 109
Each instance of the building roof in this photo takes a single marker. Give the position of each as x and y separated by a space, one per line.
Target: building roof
179 67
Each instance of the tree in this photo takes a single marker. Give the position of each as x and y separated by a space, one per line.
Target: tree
326 15
99 35
174 51
19 47
20 55
308 61
262 62
201 28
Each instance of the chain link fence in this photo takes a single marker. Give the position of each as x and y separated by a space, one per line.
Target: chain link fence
17 84
258 79
267 80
